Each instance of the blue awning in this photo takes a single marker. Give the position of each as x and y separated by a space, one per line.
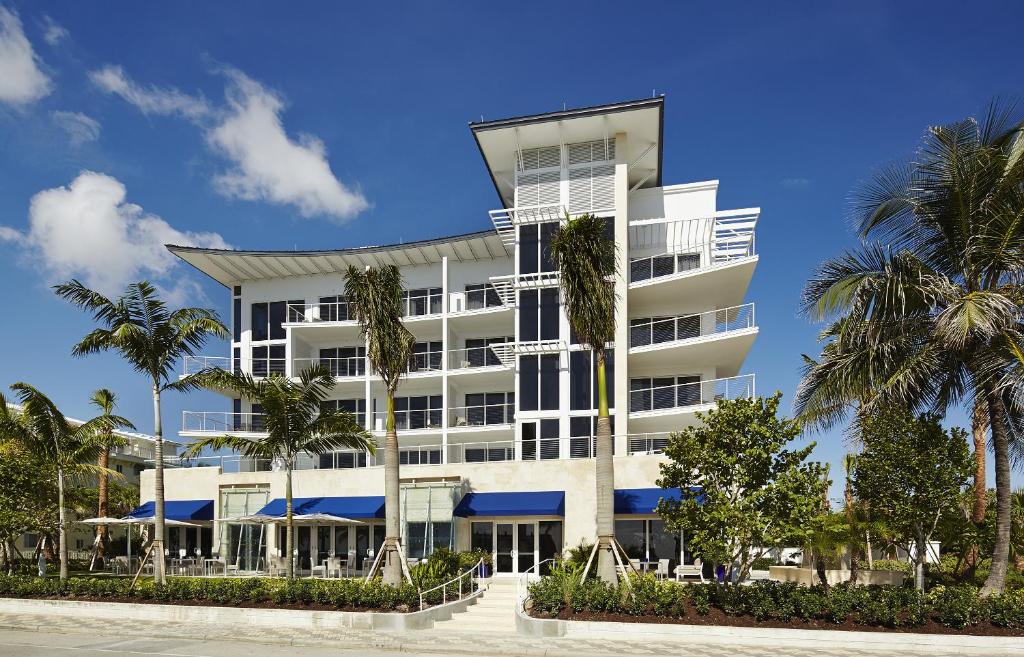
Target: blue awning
642 501
183 510
529 503
371 506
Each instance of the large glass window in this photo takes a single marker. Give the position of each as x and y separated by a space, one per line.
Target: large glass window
549 314
355 406
528 383
549 382
267 360
267 319
260 323
490 408
549 538
344 361
529 311
481 295
649 541
236 319
335 309
422 412
654 330
482 536
426 356
422 301
583 392
549 442
632 536
535 247
479 352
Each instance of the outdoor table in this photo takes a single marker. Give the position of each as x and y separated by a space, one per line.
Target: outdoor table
209 565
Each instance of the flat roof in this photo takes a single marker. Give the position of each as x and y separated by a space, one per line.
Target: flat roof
230 267
125 434
643 120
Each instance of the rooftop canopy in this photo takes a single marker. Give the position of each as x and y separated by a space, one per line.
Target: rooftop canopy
527 503
641 120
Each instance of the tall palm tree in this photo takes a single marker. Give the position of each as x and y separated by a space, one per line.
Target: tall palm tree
375 296
42 429
932 319
152 339
587 266
296 421
104 400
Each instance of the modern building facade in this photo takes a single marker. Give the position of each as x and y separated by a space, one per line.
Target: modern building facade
497 413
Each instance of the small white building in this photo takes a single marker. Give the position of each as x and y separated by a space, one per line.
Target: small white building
496 419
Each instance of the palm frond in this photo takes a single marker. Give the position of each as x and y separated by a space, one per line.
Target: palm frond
587 267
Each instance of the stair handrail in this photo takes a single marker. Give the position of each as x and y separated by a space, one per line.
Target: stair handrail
522 583
444 587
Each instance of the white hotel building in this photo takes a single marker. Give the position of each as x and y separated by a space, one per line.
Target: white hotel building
495 417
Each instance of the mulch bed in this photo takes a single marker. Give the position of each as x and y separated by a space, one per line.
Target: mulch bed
264 604
718 617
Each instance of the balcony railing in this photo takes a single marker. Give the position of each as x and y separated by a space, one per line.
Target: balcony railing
349 366
196 364
730 242
221 422
482 415
681 395
426 361
496 354
684 327
410 420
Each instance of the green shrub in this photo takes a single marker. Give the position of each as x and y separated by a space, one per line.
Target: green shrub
762 563
1007 610
897 565
956 606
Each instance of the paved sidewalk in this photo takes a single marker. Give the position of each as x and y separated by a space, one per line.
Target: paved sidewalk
424 642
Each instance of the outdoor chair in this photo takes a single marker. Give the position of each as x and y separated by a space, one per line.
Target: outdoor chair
696 569
662 571
334 567
318 570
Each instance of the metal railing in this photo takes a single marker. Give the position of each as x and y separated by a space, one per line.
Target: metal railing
729 243
348 366
680 395
418 305
196 364
426 361
410 420
333 311
523 582
473 585
221 422
683 327
481 415
496 354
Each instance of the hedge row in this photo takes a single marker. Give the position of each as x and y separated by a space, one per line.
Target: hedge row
955 607
342 593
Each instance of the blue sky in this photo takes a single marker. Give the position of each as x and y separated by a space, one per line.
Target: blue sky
325 125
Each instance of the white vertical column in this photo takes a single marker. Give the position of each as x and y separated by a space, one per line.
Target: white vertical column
621 424
444 359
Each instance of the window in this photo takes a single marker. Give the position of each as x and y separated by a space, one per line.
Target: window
355 406
480 354
535 247
643 269
267 319
344 361
422 301
422 412
268 359
656 393
335 309
549 382
119 468
583 393
138 470
484 408
538 382
426 356
583 432
546 446
655 330
649 541
539 315
481 295
236 319
482 536
260 317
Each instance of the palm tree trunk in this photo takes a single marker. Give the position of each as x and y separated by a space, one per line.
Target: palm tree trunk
101 510
605 478
1001 443
62 529
392 522
979 429
289 536
158 490
848 511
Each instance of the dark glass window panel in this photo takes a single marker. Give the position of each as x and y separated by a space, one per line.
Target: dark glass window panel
475 411
434 307
688 327
257 418
639 333
529 441
579 380
260 321
639 395
236 319
236 414
663 544
495 408
276 362
236 365
664 393
580 426
482 536
528 252
663 329
528 389
688 391
549 382
237 291
640 270
549 313
492 298
609 378
260 366
688 261
632 536
296 309
476 352
528 313
475 296
549 432
547 233
663 266
278 312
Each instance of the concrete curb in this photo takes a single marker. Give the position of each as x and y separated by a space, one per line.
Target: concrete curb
771 637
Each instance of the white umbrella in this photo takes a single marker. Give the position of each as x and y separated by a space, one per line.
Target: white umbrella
149 520
103 520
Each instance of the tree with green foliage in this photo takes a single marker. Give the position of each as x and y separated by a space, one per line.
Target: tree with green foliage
376 299
296 421
587 268
104 400
911 472
27 502
153 340
743 491
43 430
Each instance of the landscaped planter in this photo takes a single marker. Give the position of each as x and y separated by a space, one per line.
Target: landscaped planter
809 576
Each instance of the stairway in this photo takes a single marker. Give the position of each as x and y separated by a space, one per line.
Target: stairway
494 611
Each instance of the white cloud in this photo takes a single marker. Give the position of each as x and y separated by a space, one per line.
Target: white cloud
795 182
152 99
22 79
267 164
87 230
80 128
53 33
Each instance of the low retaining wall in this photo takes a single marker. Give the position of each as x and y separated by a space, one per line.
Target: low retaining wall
809 576
241 616
769 638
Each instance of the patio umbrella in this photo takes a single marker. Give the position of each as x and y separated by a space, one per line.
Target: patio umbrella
103 520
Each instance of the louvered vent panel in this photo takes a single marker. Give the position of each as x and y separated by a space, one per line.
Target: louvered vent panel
603 187
527 189
548 188
579 153
591 151
579 190
539 158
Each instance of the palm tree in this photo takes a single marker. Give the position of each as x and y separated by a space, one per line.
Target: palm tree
296 421
152 339
72 448
586 262
933 318
375 296
104 400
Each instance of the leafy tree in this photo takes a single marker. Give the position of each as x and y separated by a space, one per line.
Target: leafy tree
72 448
587 269
926 314
152 339
912 471
743 491
27 483
829 537
376 298
104 400
296 421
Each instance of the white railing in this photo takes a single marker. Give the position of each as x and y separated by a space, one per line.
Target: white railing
349 366
647 443
683 327
426 361
196 364
523 583
473 585
221 422
496 354
733 244
481 415
682 395
419 305
410 420
334 311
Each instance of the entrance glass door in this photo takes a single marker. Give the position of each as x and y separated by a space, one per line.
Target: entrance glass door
526 546
503 551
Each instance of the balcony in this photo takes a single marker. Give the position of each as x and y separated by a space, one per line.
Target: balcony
497 416
350 367
664 404
716 338
205 423
196 364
